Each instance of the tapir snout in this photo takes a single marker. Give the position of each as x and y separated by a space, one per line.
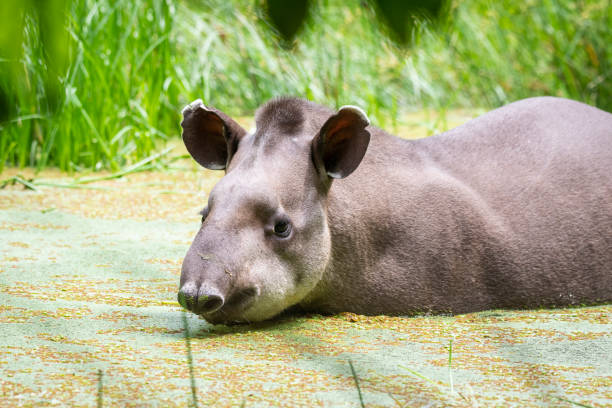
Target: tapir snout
200 299
205 299
209 289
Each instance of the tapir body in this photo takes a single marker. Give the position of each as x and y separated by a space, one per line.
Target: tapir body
321 210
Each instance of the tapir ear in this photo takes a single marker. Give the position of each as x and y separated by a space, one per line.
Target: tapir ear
342 142
211 137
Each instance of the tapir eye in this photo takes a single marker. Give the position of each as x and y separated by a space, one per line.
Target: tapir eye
282 229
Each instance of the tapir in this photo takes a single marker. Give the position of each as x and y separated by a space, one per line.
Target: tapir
319 210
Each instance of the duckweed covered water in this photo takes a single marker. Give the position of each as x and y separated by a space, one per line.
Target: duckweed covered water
88 282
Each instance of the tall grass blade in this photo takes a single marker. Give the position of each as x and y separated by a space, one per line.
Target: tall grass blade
450 361
100 389
194 395
578 404
140 166
18 179
354 374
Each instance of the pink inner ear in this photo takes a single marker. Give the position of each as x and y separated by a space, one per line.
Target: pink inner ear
339 122
342 126
344 143
203 134
212 124
337 134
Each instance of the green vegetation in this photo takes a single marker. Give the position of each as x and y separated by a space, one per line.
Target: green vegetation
89 280
100 398
194 396
132 65
354 374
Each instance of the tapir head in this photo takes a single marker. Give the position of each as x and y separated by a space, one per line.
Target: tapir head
264 242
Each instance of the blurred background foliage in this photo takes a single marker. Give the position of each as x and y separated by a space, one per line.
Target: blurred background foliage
99 84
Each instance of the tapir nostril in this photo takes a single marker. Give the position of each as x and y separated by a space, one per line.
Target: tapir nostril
243 296
206 299
208 303
210 299
188 295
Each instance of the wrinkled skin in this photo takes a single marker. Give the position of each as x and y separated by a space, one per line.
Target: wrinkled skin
321 210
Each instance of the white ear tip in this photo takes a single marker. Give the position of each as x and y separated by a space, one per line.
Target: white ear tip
357 110
194 105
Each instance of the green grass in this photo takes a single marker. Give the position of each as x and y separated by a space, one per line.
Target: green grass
100 396
117 105
194 394
356 379
134 64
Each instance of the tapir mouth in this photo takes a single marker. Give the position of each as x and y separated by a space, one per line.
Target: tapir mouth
222 317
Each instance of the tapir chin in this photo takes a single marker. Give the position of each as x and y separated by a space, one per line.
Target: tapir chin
318 210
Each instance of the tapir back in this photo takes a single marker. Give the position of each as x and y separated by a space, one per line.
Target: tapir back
512 209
